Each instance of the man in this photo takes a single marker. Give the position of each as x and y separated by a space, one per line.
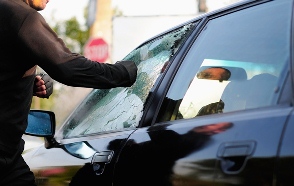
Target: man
26 40
215 73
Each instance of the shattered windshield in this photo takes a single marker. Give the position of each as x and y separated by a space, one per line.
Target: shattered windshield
122 108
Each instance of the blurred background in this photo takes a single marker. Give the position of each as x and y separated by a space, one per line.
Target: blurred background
107 30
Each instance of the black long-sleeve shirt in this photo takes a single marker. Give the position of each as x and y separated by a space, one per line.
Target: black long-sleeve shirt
26 40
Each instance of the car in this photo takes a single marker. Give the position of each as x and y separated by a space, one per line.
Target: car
212 105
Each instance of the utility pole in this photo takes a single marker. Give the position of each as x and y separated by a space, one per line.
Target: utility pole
102 20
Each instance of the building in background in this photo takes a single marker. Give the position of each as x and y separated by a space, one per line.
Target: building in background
118 26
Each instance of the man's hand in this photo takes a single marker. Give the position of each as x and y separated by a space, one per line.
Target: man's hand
43 86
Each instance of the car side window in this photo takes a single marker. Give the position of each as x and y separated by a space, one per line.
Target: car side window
239 61
121 108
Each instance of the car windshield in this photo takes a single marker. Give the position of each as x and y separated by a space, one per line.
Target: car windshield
122 108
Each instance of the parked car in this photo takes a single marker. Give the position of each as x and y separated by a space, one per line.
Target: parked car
212 105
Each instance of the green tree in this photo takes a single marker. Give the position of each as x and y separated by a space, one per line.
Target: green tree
73 34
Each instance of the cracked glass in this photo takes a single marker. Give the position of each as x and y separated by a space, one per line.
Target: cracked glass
122 108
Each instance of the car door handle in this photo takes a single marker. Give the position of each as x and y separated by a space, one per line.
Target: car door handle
100 159
234 155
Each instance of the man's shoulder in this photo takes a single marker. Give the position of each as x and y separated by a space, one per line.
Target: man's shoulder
14 6
13 13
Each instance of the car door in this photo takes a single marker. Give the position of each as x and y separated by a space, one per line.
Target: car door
85 149
286 154
223 114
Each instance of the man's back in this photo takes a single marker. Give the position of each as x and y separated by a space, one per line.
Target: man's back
16 80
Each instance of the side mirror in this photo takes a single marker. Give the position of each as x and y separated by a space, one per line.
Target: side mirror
41 123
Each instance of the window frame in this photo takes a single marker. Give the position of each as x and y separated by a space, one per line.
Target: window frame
284 98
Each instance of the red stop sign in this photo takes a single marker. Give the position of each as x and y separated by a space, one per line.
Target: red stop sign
97 50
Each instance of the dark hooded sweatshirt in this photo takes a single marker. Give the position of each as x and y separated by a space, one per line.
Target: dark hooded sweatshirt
26 40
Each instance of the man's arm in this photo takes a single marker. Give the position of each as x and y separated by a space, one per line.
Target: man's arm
48 51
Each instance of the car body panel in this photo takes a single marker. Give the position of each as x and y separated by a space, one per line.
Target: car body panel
285 162
186 154
72 161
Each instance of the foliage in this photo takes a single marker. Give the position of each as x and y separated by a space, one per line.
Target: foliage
73 34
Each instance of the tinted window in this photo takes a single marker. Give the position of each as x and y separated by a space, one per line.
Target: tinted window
237 62
122 108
